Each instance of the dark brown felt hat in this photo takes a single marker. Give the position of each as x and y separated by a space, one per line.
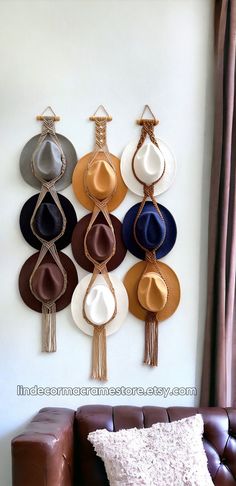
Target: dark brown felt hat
47 282
99 242
48 220
40 283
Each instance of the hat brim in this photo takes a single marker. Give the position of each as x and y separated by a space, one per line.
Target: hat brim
26 272
79 189
26 157
131 282
77 305
128 235
77 242
128 176
27 212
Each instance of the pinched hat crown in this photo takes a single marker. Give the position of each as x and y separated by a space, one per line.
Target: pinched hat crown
101 179
48 221
149 164
47 282
99 304
150 229
152 292
47 161
100 242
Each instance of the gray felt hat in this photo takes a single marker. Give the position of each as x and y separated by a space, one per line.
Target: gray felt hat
47 161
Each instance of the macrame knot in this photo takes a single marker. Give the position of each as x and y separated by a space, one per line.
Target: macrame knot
100 133
101 204
101 267
48 244
148 190
150 256
48 184
48 126
147 129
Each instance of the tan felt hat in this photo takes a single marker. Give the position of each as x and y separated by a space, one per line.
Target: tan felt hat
152 292
160 293
100 179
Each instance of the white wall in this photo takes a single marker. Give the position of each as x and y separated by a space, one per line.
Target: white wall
75 55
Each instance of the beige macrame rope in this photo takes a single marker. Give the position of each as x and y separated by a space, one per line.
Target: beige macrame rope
49 308
99 361
99 353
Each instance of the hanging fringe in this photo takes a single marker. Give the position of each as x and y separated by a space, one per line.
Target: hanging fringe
99 354
49 328
151 339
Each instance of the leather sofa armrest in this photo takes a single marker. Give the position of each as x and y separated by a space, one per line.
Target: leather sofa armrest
43 453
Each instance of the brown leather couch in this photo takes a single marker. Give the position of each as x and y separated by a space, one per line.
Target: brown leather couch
54 450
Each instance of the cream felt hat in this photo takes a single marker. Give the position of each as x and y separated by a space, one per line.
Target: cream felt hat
99 304
152 164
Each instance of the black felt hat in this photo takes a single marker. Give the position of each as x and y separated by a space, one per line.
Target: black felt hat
47 221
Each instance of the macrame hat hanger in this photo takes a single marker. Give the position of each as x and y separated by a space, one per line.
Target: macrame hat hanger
149 160
152 232
98 172
49 279
84 170
48 134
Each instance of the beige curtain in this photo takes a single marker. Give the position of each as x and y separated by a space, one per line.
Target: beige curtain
219 361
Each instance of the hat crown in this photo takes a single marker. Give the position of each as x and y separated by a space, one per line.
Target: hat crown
47 161
150 229
100 242
47 282
149 163
101 179
99 304
152 292
48 221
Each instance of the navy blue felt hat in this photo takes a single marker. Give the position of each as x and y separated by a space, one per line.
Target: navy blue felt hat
151 230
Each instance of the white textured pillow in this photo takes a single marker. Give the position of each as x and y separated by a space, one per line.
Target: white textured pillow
166 454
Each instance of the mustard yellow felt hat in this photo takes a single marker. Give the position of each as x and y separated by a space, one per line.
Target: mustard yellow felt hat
151 291
100 179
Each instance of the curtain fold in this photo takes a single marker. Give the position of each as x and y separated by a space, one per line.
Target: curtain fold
219 359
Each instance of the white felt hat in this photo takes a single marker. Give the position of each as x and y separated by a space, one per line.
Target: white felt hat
149 164
99 304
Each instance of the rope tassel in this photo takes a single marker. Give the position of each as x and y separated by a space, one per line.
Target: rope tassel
99 353
151 339
49 328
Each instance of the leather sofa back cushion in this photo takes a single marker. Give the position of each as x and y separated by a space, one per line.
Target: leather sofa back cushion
219 437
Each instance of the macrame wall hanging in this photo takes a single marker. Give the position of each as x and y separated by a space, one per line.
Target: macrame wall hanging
48 278
149 231
100 302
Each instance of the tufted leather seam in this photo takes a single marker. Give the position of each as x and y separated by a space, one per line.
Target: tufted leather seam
212 446
229 428
225 465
